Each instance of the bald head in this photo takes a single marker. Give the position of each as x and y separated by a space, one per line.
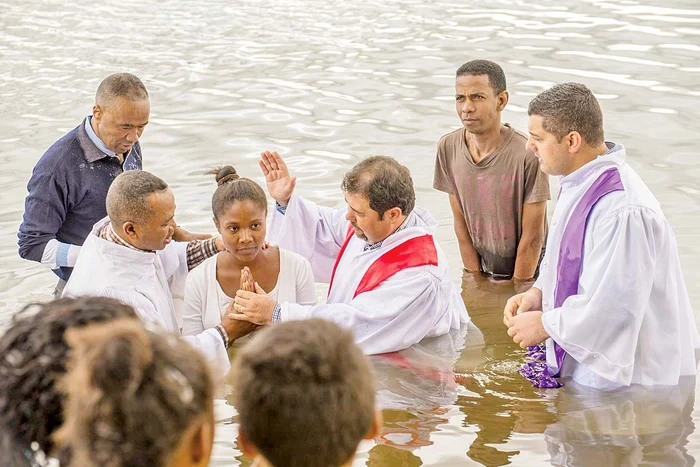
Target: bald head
118 85
384 182
127 198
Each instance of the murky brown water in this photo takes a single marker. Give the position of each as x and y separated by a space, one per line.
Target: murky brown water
326 83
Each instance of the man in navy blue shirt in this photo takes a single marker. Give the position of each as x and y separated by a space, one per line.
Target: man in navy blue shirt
69 184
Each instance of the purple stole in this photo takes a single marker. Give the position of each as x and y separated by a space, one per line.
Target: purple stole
568 273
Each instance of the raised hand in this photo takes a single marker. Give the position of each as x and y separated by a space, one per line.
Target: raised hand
280 184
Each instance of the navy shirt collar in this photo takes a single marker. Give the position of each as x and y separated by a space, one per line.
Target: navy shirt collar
94 148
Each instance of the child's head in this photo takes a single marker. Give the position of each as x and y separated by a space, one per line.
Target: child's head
305 393
34 354
135 398
239 206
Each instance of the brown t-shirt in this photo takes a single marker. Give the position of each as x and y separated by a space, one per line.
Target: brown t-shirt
492 193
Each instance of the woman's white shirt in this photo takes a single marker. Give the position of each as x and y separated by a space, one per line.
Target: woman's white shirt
206 302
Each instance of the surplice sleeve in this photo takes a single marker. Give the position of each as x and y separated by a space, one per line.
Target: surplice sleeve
210 344
195 299
207 342
599 327
404 309
315 232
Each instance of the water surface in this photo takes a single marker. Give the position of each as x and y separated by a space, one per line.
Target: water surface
327 83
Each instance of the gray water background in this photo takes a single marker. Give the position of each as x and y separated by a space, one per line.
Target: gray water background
327 83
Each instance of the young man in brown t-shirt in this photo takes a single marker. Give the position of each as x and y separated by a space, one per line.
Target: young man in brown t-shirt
497 191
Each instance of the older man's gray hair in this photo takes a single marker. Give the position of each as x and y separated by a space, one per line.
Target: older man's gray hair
569 107
127 198
120 85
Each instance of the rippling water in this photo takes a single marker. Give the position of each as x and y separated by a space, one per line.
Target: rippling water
326 83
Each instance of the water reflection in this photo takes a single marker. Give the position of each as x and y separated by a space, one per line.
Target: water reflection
415 388
632 426
326 83
500 402
636 426
469 378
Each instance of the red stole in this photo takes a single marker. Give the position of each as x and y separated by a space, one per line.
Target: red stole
418 251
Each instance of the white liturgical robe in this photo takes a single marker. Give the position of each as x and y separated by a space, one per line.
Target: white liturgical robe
141 279
630 321
389 315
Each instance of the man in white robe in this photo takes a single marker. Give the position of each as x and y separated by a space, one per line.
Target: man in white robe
130 256
610 300
389 279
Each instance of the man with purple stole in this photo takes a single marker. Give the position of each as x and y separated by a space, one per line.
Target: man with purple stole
610 304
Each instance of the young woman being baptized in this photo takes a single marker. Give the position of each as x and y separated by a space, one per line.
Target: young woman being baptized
239 206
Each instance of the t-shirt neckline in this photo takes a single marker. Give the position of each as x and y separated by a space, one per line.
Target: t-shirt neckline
486 161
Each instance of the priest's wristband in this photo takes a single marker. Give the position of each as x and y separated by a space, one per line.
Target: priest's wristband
224 335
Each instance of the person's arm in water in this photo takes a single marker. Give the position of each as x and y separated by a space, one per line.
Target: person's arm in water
404 309
470 257
531 240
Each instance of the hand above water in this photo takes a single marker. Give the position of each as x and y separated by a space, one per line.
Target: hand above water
526 301
256 307
280 184
526 329
236 328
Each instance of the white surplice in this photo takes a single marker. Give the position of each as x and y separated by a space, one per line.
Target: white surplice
414 303
141 279
631 320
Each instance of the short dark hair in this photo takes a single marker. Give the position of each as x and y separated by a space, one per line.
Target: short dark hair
130 394
384 182
497 78
232 188
304 380
569 107
35 354
127 197
120 85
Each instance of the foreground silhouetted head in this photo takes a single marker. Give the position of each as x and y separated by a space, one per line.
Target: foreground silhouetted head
135 399
34 355
305 394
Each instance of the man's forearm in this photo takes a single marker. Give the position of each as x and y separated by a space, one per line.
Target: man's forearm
470 257
199 250
527 257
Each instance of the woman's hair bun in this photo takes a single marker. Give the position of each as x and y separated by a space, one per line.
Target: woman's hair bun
225 174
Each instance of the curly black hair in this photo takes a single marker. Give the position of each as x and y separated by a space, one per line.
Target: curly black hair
131 395
33 357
